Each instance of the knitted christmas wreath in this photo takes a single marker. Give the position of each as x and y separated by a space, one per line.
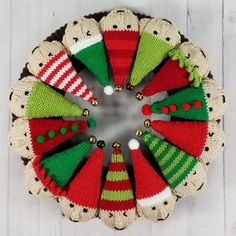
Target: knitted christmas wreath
132 46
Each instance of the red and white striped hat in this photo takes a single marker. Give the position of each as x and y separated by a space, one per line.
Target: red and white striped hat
60 73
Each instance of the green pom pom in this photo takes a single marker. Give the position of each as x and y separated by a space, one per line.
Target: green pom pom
40 139
74 127
91 123
63 130
51 134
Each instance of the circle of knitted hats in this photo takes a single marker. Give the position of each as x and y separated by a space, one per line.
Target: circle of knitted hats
118 48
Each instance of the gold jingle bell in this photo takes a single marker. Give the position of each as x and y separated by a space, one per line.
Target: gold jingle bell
116 145
118 88
147 123
139 132
95 102
139 96
92 139
86 112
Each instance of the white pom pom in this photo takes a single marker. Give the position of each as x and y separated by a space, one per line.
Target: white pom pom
133 144
108 90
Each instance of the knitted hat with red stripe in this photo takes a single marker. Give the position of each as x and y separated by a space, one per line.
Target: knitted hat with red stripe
203 103
117 194
31 98
120 32
83 192
187 64
178 167
50 62
83 39
154 197
55 171
158 37
150 188
203 140
31 137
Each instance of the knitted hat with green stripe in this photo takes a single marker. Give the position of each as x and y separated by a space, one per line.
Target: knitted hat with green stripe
175 164
55 171
33 99
117 194
84 40
190 103
158 37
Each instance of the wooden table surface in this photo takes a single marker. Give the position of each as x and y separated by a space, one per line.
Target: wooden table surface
209 23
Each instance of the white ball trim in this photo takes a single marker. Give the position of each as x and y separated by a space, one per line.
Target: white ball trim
108 90
133 144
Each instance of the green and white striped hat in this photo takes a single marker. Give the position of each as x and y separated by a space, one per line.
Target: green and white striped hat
175 164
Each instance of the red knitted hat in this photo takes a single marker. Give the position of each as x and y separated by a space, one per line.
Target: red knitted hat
60 73
117 194
49 133
170 76
187 135
121 46
84 189
150 188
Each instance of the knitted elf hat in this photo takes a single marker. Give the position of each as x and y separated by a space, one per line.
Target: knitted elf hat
175 164
41 101
58 70
153 47
194 133
189 103
84 189
203 140
121 39
117 194
31 137
150 188
84 40
55 171
187 64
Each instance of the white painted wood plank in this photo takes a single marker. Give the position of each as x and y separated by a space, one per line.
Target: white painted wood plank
5 23
25 31
205 29
229 121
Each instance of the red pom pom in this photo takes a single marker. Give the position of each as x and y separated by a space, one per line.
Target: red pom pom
165 110
173 108
186 106
197 104
146 110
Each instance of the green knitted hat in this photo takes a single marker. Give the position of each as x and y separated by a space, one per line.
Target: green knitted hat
94 58
175 164
151 52
189 103
61 166
45 102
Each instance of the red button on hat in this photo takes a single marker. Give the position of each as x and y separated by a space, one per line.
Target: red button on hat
197 104
173 108
186 106
164 110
